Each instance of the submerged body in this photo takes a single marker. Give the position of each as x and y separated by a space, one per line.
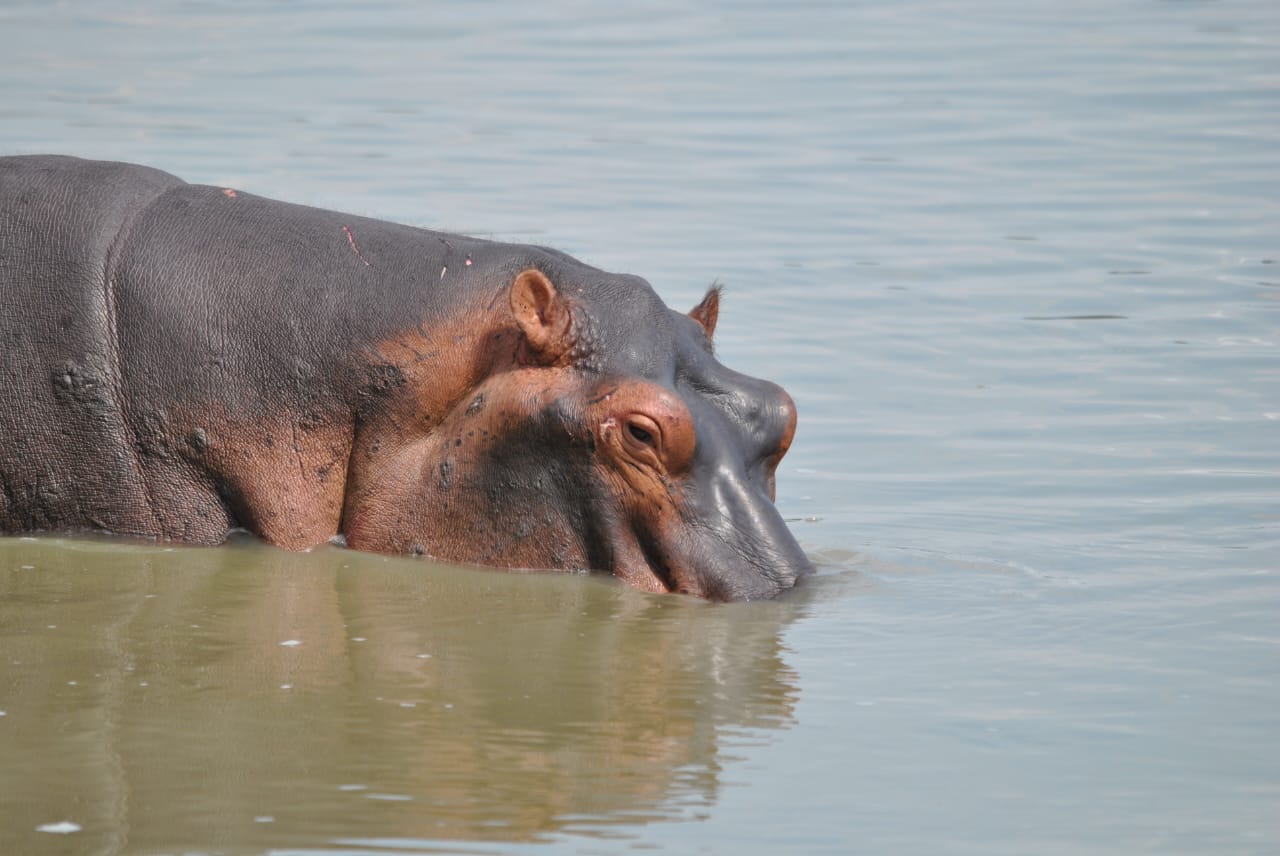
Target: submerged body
183 360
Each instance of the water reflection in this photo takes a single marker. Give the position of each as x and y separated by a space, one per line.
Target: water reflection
249 697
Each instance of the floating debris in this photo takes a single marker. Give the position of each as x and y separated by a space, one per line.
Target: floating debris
62 827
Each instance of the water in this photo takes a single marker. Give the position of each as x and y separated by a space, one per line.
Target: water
1018 266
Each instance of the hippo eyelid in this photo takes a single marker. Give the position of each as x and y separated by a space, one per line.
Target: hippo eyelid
644 434
640 434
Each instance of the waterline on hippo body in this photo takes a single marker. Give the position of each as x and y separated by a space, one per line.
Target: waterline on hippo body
302 373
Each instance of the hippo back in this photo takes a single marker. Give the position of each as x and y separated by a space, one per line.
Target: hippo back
67 458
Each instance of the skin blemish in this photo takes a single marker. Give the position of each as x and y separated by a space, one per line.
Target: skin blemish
443 271
227 191
468 261
351 239
604 397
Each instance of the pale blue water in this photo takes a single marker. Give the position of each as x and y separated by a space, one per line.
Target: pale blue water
1019 264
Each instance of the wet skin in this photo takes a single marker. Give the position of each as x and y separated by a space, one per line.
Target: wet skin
184 360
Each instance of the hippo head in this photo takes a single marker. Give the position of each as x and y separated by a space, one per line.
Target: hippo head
600 432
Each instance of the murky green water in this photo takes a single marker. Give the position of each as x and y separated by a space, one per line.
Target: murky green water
238 699
1018 265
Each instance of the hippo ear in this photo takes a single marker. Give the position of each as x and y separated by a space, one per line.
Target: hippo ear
543 315
708 311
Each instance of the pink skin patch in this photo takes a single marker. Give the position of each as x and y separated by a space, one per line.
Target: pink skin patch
445 269
227 191
351 239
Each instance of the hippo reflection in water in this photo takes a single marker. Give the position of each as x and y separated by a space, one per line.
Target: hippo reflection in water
184 360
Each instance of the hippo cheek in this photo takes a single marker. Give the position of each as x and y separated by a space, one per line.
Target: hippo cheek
739 551
721 540
630 561
722 537
483 509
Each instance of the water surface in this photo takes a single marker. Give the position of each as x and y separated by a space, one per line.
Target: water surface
1018 266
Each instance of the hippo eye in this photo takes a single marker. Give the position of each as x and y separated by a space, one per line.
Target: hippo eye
644 437
658 437
640 434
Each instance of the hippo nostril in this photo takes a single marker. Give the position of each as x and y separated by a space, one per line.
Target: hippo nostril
768 422
787 420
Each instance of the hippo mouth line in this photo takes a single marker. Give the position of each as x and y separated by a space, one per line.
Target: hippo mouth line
667 580
658 567
664 572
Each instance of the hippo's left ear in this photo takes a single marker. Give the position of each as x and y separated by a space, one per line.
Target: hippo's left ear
544 316
708 311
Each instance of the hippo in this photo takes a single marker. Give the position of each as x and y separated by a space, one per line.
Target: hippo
184 361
